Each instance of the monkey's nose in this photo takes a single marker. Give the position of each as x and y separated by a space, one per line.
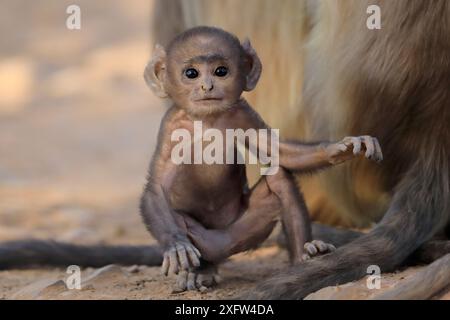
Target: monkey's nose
207 87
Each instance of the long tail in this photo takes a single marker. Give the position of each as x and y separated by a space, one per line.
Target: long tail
41 253
420 209
48 253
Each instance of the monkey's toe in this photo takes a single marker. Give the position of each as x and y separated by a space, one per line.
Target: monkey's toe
196 280
317 248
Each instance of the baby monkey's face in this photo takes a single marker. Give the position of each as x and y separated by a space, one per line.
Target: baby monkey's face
205 75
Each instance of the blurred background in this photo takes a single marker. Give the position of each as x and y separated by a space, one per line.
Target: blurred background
77 122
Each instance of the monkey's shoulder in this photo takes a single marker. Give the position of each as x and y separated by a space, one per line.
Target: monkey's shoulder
175 118
242 115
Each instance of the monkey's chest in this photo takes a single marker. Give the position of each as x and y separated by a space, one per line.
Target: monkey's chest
211 194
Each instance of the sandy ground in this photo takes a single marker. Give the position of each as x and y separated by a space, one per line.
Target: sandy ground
77 129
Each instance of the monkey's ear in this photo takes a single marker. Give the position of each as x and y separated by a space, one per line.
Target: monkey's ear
155 72
255 66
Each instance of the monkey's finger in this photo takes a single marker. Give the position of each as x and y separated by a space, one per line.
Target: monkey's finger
181 282
356 141
191 281
203 289
305 257
199 281
217 278
378 152
182 257
197 252
331 247
204 280
347 141
342 147
310 248
370 147
193 257
177 289
173 267
165 265
322 246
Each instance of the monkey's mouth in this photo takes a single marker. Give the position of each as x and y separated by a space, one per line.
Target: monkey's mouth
209 99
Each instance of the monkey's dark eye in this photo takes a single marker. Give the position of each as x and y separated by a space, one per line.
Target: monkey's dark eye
221 71
191 73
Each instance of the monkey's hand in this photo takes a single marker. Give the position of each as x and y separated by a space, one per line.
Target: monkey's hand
316 248
350 147
182 255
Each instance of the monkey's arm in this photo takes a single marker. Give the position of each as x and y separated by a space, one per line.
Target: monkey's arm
160 219
296 156
299 156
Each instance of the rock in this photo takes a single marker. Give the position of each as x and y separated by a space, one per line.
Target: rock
133 269
104 275
348 291
358 290
41 289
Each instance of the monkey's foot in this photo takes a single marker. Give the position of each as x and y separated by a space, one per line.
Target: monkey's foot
316 248
201 279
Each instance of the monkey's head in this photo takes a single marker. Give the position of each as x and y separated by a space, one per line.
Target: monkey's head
204 70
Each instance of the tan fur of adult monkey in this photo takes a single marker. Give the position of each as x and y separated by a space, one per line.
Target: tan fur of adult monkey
392 83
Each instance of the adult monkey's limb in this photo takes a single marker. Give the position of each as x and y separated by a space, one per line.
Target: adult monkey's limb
418 210
428 252
47 253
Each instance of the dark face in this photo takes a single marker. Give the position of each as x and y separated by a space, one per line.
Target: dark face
204 75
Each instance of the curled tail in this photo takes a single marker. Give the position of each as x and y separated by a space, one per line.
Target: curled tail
41 253
419 210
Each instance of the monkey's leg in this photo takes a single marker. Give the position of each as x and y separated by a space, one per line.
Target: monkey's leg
428 252
295 217
418 211
272 198
262 210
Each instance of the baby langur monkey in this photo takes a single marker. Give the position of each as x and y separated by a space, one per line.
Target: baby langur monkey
203 213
